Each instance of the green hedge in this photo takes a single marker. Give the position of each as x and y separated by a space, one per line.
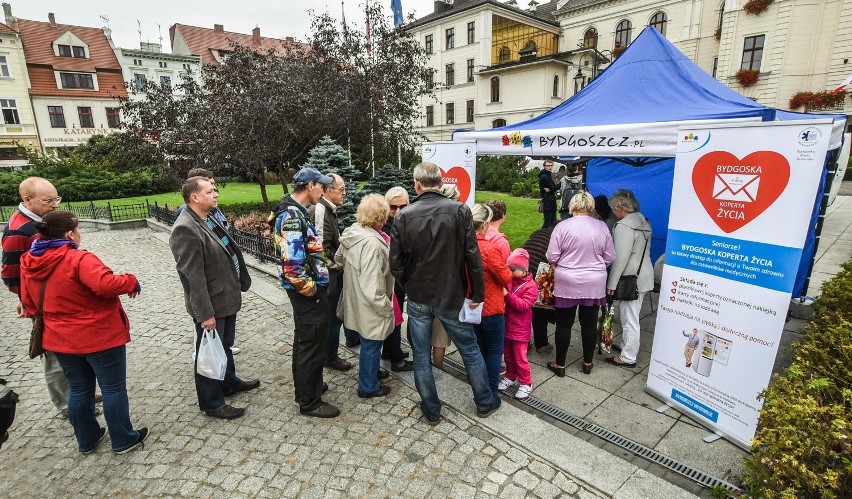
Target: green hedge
803 447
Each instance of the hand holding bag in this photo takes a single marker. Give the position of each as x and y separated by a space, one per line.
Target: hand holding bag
541 206
211 360
627 288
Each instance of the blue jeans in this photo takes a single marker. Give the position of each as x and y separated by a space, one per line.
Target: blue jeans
333 345
368 366
490 334
109 368
420 318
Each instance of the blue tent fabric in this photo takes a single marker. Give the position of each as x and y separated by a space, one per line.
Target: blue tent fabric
630 91
652 185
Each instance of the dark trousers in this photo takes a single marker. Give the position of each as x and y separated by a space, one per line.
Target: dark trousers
334 323
310 314
541 317
211 392
549 218
392 346
588 331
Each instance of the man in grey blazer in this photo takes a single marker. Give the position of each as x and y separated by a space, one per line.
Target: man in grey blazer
213 274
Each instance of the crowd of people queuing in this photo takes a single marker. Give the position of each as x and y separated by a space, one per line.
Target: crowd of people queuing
450 263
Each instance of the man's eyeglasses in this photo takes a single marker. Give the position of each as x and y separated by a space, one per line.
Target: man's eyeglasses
50 201
398 206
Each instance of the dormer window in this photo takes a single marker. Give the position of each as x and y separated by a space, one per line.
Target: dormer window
72 51
76 80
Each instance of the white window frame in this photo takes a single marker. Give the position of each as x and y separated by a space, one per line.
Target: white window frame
13 105
5 67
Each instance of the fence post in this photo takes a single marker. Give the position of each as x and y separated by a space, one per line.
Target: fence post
109 212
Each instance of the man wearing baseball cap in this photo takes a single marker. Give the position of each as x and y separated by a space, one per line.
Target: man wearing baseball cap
304 275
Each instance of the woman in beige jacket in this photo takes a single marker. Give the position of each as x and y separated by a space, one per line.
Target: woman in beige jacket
366 303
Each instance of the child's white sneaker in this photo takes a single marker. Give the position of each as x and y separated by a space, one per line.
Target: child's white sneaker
505 384
523 392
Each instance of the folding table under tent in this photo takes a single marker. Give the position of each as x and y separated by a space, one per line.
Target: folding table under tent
627 119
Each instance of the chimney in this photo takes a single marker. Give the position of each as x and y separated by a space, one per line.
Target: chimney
532 6
289 39
10 20
218 28
51 18
440 5
255 35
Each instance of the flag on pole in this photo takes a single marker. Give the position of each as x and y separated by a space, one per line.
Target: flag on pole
843 84
396 7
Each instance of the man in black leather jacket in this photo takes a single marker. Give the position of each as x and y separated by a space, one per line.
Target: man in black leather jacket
547 190
434 255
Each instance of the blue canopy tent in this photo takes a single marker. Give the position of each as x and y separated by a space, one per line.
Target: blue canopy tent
628 118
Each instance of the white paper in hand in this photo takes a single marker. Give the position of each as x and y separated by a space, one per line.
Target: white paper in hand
470 315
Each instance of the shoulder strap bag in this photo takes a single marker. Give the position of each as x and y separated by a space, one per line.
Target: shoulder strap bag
36 348
627 288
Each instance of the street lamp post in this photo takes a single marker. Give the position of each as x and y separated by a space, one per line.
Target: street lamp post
440 87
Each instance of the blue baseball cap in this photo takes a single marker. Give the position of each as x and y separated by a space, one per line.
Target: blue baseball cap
306 175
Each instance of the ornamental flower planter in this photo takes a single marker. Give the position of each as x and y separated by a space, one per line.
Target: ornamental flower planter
817 100
747 77
756 7
617 51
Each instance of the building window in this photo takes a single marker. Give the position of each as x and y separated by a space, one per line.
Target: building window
590 38
9 153
163 64
4 66
659 21
57 116
65 51
430 79
113 118
451 113
623 33
451 75
556 85
753 52
79 52
469 112
72 51
451 38
429 44
470 70
430 115
10 112
498 123
471 32
140 81
505 54
166 82
495 89
86 120
76 80
715 66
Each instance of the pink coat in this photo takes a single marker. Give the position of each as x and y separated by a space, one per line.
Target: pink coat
523 292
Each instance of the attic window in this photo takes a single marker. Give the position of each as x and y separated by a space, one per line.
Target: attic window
72 51
528 52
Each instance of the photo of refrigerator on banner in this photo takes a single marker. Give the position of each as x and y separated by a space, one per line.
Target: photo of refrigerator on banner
703 349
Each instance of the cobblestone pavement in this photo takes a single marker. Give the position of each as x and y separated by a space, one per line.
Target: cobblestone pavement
376 448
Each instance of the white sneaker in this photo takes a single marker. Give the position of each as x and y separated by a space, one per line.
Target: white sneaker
523 392
505 383
235 350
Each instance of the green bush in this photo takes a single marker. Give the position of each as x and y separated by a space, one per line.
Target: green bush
803 447
498 173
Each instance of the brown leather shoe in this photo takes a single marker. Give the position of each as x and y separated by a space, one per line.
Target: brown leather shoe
339 365
226 412
324 410
243 387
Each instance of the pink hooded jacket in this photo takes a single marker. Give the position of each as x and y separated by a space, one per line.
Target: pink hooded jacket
523 292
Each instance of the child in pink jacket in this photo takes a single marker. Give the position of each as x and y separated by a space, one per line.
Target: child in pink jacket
520 296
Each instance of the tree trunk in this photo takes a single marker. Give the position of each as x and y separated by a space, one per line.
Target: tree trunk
262 183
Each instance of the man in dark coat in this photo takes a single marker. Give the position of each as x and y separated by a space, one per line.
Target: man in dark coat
547 190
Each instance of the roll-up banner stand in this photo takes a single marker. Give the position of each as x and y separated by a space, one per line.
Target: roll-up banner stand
457 161
742 199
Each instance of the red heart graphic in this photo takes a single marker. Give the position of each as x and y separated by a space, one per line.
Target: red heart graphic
736 191
460 178
672 298
674 283
674 291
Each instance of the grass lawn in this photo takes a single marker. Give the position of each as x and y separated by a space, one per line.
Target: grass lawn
521 221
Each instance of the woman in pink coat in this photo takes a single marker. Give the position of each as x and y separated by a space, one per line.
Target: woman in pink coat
520 296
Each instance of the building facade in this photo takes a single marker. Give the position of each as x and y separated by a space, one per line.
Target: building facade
76 81
18 121
493 64
214 45
150 64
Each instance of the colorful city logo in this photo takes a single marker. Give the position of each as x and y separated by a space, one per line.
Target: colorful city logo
516 139
694 139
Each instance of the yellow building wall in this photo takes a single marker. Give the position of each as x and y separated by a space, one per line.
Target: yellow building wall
515 35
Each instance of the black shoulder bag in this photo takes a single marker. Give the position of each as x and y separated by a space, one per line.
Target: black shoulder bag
627 288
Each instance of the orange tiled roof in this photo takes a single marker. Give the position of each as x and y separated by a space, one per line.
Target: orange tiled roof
6 29
38 40
201 41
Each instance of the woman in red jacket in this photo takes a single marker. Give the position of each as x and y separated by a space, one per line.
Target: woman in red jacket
85 326
491 330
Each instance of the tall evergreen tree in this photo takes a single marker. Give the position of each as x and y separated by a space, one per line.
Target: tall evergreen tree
328 157
390 176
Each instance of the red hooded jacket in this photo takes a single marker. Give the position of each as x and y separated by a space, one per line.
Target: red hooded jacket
497 276
82 312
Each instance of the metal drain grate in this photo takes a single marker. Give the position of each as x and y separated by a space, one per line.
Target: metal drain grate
614 438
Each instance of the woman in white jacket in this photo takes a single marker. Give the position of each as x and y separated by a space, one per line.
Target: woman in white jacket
367 301
631 236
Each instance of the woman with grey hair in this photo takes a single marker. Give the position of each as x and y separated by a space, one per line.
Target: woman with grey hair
632 238
580 249
397 198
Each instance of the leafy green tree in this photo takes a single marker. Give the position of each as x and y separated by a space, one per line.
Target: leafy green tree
119 152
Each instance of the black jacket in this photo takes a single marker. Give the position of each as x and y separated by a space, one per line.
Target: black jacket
548 199
434 253
324 218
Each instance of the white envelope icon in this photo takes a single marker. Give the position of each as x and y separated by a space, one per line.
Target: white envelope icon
735 187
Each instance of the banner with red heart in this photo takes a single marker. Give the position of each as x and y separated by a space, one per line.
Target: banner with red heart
735 191
460 178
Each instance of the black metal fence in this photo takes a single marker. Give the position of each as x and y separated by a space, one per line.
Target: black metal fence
161 213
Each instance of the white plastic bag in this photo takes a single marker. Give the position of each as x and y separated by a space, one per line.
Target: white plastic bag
212 360
470 315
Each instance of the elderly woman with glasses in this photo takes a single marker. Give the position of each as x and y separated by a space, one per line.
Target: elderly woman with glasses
85 326
397 198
